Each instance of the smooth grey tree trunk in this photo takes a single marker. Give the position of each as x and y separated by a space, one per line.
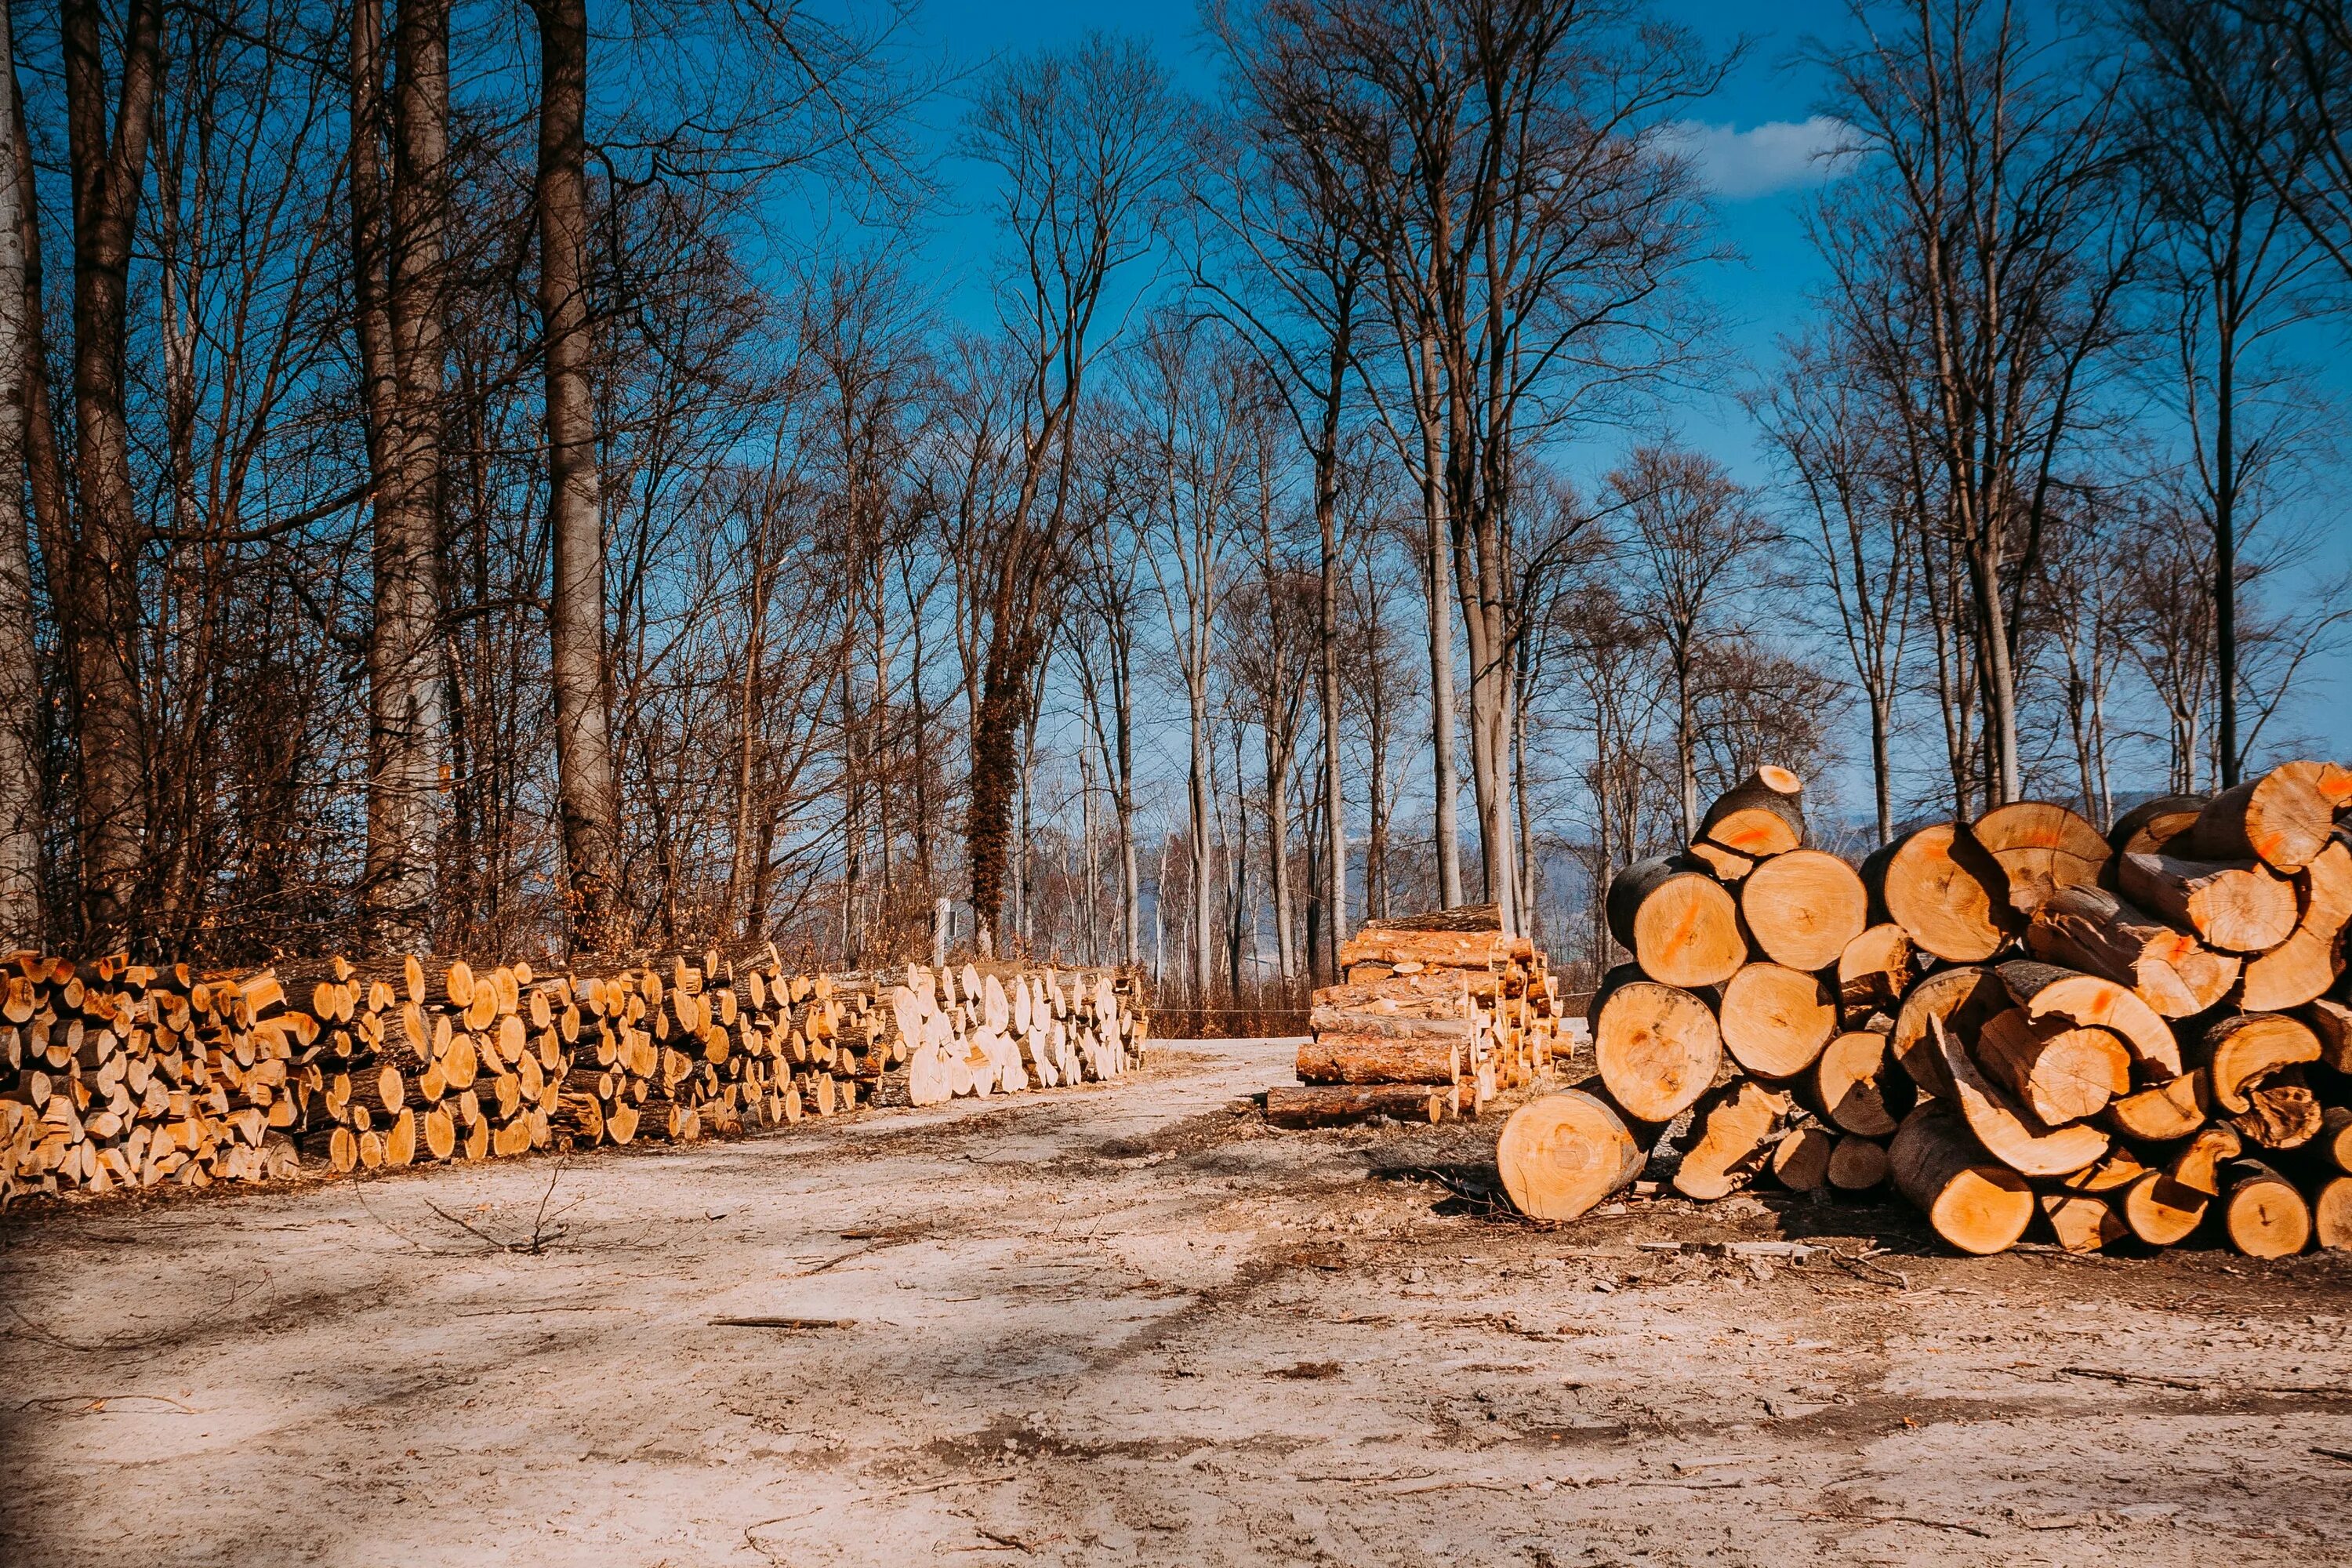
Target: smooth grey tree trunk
586 803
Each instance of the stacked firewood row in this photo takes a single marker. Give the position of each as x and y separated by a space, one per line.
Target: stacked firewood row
2012 1019
1436 1016
124 1075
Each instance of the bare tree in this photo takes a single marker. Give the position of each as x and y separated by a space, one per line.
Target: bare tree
1083 141
1985 198
1692 541
20 673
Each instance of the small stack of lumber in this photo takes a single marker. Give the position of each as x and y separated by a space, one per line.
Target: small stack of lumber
122 1075
2015 1019
1435 1015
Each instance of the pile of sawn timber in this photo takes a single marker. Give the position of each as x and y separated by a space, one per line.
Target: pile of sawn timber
118 1075
1438 1013
2128 1036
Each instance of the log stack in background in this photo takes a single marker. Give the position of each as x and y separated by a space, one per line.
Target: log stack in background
1437 1015
2011 1019
122 1075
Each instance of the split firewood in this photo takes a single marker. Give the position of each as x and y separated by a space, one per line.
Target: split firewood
1733 1133
2163 1111
2281 1112
2040 848
2239 905
1802 909
2060 1071
2007 1130
1677 921
1943 889
2331 1213
2083 1209
2330 1022
2310 960
1873 972
1761 816
1560 1155
1963 998
2239 1051
1976 1204
2090 930
2047 991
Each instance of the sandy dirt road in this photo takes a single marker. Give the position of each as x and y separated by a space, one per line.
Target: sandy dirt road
1131 1325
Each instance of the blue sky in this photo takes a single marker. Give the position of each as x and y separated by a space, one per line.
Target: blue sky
1753 141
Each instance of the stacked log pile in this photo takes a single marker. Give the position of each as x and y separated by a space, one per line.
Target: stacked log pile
2012 1020
122 1075
1435 1015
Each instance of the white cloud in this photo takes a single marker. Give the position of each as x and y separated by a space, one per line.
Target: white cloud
1777 156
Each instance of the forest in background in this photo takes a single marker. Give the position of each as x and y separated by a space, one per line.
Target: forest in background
487 477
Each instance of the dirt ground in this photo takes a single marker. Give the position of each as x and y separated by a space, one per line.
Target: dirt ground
1131 1325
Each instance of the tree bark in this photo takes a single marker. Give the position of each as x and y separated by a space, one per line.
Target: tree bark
1447 828
402 355
586 803
101 622
20 676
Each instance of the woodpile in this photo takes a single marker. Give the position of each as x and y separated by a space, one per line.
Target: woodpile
1437 1015
2010 1020
123 1075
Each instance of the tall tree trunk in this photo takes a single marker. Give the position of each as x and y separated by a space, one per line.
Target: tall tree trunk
20 676
2225 543
1446 822
1324 963
1203 935
586 802
102 635
402 360
1130 876
1277 852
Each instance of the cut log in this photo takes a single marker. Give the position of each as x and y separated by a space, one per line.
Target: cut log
1963 998
2090 930
2163 1111
1760 818
1561 1154
2041 847
1976 1204
2163 1207
2060 1071
2328 1153
2007 1131
1873 972
2082 1222
2047 991
1412 1005
1941 887
2264 1214
2330 1022
1676 920
1460 918
1804 908
1800 1158
1732 1136
1777 1021
2281 1112
2301 968
1856 1086
2283 818
1337 1105
1729 866
2239 906
2147 827
2331 1213
1857 1164
2238 1052
1331 1057
1657 1049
